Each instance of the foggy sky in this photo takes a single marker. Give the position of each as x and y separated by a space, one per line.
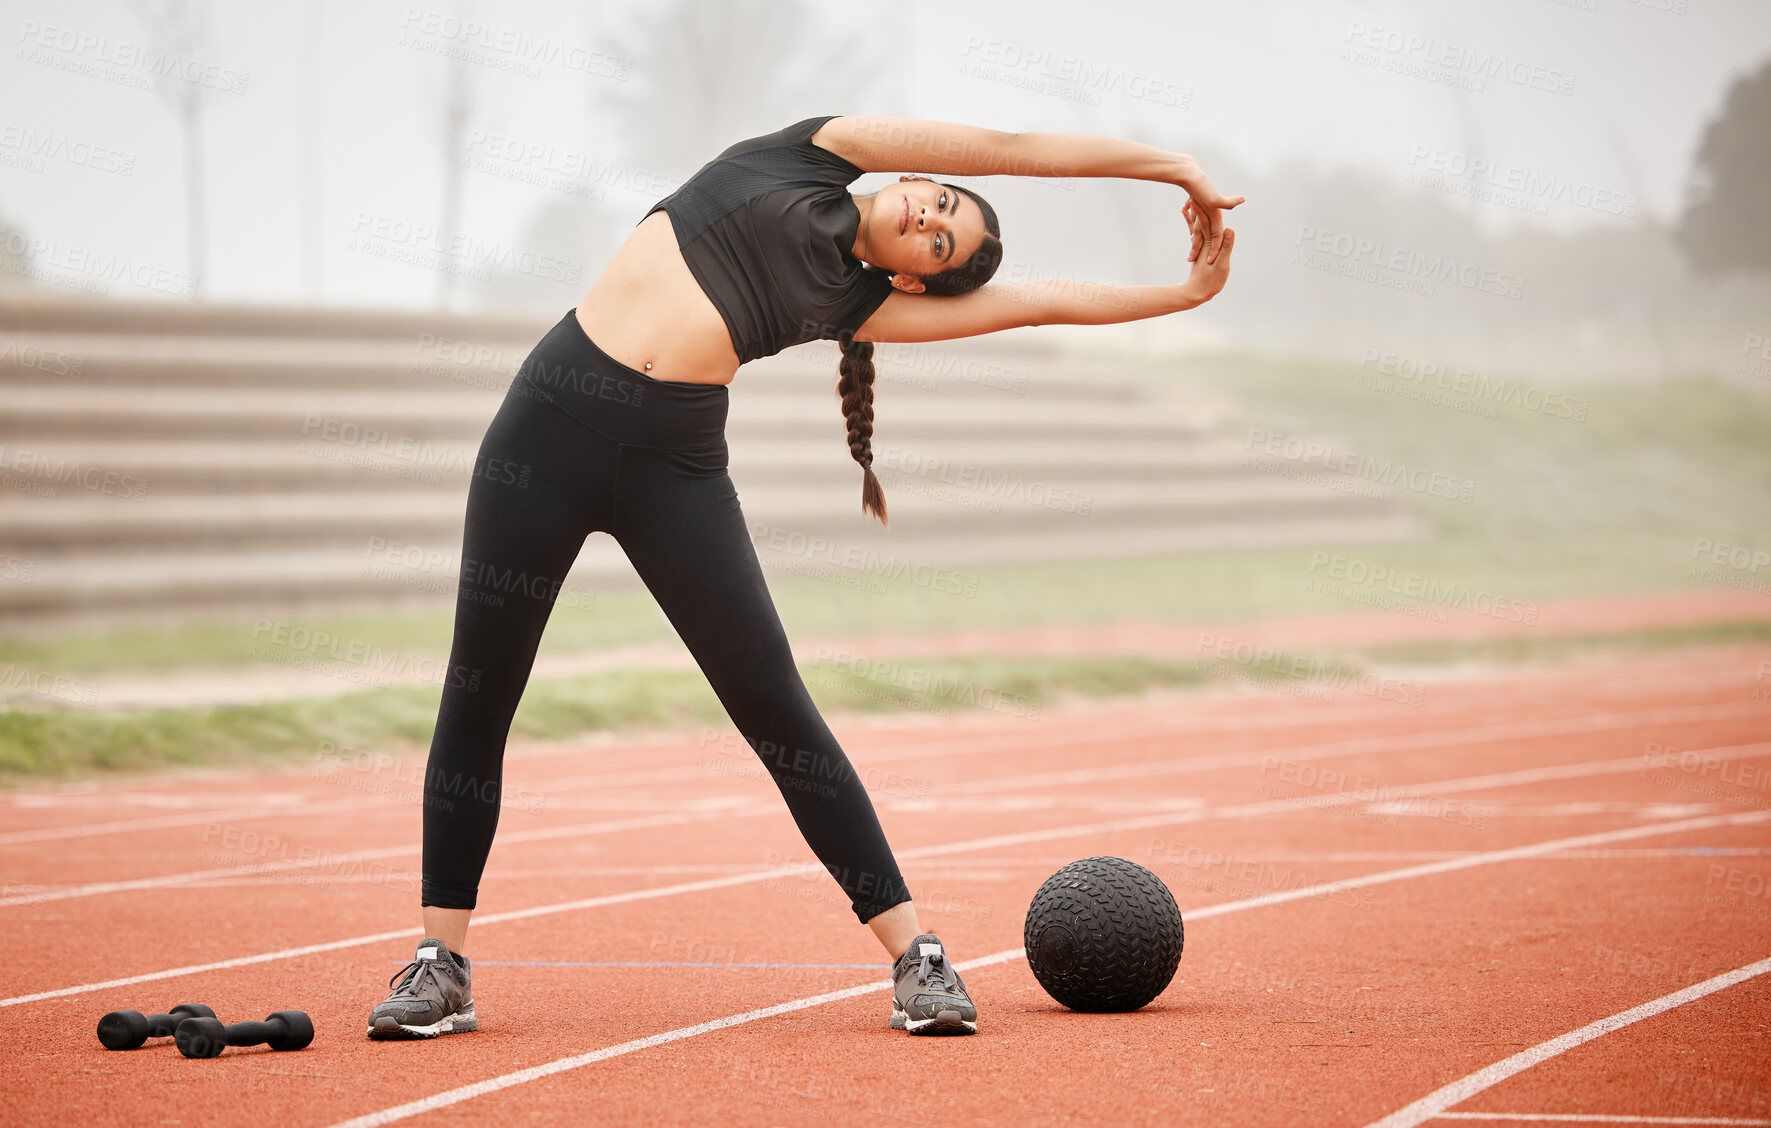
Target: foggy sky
1609 94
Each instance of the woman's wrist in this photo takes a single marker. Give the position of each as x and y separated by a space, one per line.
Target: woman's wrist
1182 168
1180 297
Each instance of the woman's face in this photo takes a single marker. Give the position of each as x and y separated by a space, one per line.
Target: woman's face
919 226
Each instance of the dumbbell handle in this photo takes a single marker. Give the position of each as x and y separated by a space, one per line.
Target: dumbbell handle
206 1037
163 1025
253 1033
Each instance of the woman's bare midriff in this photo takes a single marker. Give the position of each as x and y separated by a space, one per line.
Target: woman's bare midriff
646 308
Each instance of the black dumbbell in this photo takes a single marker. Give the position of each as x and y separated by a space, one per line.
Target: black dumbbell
207 1037
125 1030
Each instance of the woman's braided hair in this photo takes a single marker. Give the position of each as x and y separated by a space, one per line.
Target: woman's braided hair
855 380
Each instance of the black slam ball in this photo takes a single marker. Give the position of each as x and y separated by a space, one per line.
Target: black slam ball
1103 934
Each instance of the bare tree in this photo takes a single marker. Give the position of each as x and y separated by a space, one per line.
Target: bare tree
706 75
180 33
1726 225
689 78
458 111
312 67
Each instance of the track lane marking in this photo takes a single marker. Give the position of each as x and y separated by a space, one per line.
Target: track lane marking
165 822
917 751
1131 729
1594 1118
192 878
1321 751
534 1073
1245 810
1431 1106
1182 766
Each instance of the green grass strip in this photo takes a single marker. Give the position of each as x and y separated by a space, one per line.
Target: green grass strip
69 744
1526 648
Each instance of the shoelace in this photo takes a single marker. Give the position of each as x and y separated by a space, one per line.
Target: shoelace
934 973
414 973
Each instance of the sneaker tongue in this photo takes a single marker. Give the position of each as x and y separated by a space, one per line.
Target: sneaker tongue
433 950
922 946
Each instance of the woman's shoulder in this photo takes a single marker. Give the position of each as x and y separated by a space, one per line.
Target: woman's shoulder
792 146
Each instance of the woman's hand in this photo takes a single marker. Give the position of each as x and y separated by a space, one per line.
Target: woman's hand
1209 272
1204 209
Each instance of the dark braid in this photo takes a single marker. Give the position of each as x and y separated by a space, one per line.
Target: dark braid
855 372
855 386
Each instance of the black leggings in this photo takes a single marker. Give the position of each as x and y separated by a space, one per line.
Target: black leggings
583 443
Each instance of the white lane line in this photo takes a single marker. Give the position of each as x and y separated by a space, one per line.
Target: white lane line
164 822
378 937
1312 802
535 1073
1595 1118
1007 742
335 864
1246 810
1560 726
1432 1105
1405 742
1329 888
1297 753
492 1085
111 799
970 869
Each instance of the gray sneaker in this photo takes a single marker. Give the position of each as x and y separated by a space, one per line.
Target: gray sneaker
927 994
432 996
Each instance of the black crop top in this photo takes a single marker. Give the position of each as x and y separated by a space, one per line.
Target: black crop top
768 229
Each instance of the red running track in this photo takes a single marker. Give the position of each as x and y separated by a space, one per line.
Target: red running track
1402 911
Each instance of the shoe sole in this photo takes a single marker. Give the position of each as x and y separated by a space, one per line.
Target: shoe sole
947 1022
387 1029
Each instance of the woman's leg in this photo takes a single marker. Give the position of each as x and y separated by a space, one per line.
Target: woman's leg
677 516
897 928
541 484
532 500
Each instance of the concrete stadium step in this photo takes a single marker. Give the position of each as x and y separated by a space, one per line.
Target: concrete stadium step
263 584
167 459
168 467
426 362
348 415
48 311
42 525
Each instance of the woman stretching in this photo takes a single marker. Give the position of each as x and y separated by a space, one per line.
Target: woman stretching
617 420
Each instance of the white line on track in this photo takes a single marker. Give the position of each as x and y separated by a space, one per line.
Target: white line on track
968 869
164 822
1512 730
336 862
1245 810
535 1073
1437 1102
1296 753
1595 1118
1328 800
1405 742
1019 742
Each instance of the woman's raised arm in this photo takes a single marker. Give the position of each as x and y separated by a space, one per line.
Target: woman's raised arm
1048 301
892 144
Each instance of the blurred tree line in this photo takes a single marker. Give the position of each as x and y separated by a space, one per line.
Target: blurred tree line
1727 221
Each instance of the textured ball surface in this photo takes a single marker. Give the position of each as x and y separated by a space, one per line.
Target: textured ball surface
1103 934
